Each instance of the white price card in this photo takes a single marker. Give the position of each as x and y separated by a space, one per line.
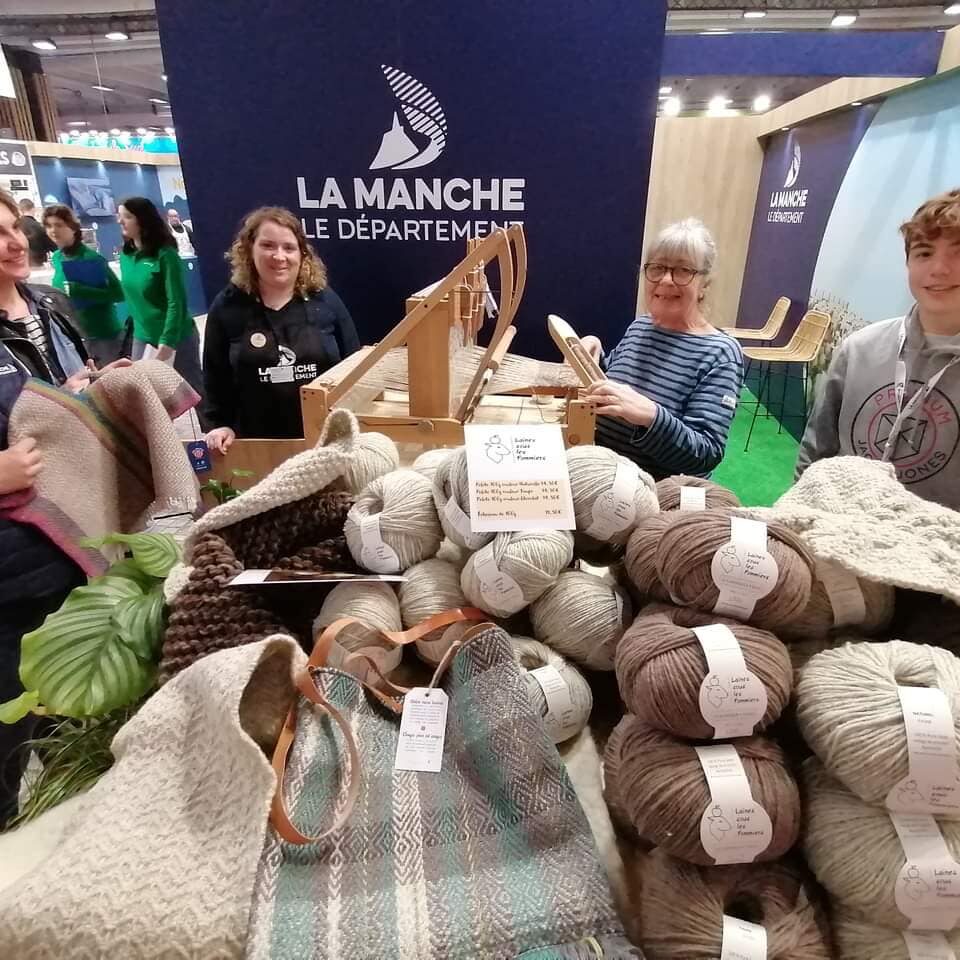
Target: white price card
518 478
743 940
927 945
423 726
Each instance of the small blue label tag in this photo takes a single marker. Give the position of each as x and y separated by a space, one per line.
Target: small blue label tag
199 454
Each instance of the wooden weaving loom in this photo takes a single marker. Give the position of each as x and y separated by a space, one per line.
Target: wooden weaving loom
428 376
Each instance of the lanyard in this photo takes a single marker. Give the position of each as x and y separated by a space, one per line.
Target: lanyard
917 400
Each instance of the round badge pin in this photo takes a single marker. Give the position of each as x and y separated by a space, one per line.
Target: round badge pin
258 340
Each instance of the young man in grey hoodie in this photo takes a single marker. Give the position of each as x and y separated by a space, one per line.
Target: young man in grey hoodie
893 388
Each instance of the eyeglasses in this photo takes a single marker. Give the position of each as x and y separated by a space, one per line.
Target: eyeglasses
681 276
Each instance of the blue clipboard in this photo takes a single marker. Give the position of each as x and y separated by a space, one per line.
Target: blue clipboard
91 273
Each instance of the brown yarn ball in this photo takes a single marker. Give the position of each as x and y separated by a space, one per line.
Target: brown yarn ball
662 792
640 560
817 618
682 909
661 666
716 497
686 551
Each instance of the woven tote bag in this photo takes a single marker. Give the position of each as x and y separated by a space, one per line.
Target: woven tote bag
492 857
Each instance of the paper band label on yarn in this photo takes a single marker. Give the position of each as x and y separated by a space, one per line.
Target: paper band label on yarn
742 569
693 498
461 523
932 783
928 886
742 940
518 478
615 509
618 597
498 589
387 659
927 945
374 553
423 727
564 717
844 593
732 699
734 828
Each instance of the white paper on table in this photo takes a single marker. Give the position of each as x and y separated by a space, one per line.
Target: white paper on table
150 353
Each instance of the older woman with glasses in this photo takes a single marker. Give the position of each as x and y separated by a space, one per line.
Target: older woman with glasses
673 379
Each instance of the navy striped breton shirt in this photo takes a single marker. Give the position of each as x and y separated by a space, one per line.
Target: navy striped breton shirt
695 382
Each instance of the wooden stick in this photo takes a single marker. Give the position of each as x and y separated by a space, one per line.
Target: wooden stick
565 337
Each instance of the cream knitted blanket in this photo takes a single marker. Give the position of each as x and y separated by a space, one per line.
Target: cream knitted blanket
160 861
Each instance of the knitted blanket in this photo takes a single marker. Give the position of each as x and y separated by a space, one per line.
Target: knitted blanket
161 858
855 512
111 457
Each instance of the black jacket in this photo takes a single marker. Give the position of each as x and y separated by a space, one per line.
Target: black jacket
255 360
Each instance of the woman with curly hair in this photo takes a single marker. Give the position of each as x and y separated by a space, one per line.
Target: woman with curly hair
276 326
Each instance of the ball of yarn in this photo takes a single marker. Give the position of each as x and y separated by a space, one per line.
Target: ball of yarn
531 560
685 554
818 618
682 909
429 460
376 606
661 790
592 472
403 501
858 939
451 494
715 496
582 616
640 559
454 554
535 656
374 455
853 847
432 587
849 711
661 667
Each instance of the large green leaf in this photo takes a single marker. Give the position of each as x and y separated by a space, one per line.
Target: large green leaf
130 569
154 553
140 623
19 707
87 658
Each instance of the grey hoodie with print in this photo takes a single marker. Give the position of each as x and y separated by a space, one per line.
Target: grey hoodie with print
856 408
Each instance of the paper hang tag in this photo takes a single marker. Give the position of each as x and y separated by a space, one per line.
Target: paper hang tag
927 946
732 699
932 783
461 523
376 555
565 716
693 498
734 828
498 589
423 727
844 593
742 940
742 569
928 886
615 509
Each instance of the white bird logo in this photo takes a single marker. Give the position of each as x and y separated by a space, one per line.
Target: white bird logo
423 114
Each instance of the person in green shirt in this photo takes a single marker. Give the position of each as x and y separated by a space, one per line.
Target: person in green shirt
86 278
151 274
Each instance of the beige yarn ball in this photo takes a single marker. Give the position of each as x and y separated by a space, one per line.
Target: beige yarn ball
849 712
454 554
640 560
817 618
529 563
858 939
451 494
853 847
408 524
682 909
429 460
374 455
535 656
582 616
432 587
376 606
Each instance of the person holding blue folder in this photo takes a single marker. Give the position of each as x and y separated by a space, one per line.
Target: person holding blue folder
86 278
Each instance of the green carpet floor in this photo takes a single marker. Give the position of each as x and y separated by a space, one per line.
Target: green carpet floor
759 475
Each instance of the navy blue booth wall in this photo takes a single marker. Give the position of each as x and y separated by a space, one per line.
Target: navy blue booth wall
395 130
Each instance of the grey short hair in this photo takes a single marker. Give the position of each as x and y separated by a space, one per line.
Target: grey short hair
686 238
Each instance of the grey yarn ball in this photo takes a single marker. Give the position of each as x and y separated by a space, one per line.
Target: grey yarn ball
432 587
859 939
429 460
374 455
451 494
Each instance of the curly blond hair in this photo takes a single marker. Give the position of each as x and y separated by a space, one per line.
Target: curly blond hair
313 274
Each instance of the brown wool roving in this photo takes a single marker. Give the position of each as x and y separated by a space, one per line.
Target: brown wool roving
683 906
661 667
640 561
685 554
662 792
818 617
858 939
715 496
582 616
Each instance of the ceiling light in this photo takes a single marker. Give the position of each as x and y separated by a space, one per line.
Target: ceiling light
117 35
100 86
717 105
716 31
666 89
77 123
169 131
157 100
94 133
784 129
163 77
115 132
857 103
45 44
141 131
754 14
953 10
671 106
761 103
844 19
